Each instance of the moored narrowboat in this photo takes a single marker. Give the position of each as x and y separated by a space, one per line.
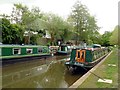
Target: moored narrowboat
10 52
63 50
85 58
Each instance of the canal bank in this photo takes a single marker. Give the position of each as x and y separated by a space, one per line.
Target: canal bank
107 69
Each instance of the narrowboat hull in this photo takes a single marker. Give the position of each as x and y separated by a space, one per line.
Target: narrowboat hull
86 65
9 60
63 50
62 53
85 58
15 53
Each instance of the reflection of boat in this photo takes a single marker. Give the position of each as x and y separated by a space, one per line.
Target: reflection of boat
17 52
63 50
17 77
54 77
45 76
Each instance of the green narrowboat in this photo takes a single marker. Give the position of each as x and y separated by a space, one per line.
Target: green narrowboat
63 50
21 51
85 58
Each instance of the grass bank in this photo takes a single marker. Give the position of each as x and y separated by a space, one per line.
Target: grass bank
105 71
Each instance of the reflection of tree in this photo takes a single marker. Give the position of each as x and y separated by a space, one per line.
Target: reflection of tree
18 79
53 78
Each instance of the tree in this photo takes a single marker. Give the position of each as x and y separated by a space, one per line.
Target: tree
95 38
28 19
91 31
114 36
106 38
67 31
6 36
79 15
11 33
32 19
18 11
54 25
84 24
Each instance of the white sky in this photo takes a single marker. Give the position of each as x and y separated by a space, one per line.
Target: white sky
105 11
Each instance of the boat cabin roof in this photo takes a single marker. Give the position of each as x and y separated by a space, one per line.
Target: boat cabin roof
4 45
96 46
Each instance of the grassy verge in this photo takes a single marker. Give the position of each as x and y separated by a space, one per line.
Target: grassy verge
106 72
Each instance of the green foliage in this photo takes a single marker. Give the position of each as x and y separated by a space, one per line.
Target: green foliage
85 27
67 31
105 38
95 38
54 25
11 33
6 36
33 39
32 19
28 19
18 12
114 36
79 26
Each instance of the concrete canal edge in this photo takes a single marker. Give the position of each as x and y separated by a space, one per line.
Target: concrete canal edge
85 76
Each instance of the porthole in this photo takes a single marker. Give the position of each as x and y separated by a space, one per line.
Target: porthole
29 51
16 51
40 50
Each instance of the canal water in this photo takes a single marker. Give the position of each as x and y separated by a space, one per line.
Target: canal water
42 73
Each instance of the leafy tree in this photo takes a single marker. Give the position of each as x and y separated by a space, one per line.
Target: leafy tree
5 24
11 33
29 19
105 38
32 19
18 11
54 25
4 16
91 30
18 33
6 31
34 39
84 24
114 36
79 26
79 15
67 31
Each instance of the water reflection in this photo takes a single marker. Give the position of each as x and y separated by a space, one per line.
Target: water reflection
50 75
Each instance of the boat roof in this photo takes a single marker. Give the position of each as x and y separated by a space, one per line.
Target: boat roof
96 45
13 45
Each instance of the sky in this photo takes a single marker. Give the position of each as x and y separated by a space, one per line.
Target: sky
105 11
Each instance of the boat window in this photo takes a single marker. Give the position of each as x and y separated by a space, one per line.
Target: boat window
16 51
39 50
29 50
78 54
65 48
62 48
82 55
